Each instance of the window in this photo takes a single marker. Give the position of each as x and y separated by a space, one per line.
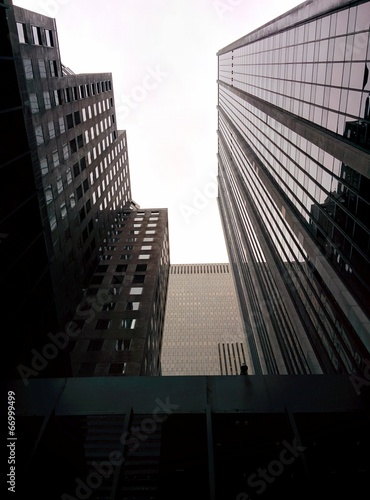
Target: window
126 256
72 200
53 222
48 194
44 166
122 268
146 247
80 141
144 256
150 232
117 279
62 127
132 306
117 369
109 307
42 68
102 324
36 35
73 146
138 278
148 239
63 210
47 100
123 345
27 63
79 192
51 129
69 121
22 33
128 323
59 184
141 268
57 97
69 176
39 135
95 345
49 38
84 114
76 170
136 290
53 68
34 103
77 117
65 151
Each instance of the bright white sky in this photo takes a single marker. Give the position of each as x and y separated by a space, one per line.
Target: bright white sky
162 54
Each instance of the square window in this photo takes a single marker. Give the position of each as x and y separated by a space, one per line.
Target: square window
128 323
95 345
141 268
132 306
102 324
110 306
138 278
123 345
136 290
121 268
117 279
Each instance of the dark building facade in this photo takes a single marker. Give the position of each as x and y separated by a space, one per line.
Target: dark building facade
66 206
79 158
122 313
215 438
294 168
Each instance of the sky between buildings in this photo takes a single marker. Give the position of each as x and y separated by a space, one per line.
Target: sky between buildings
162 54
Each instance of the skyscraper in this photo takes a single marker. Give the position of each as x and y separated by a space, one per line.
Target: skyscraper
122 314
203 332
66 208
79 158
294 168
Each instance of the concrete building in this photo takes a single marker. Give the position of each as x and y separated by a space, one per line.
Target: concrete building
66 208
293 129
79 157
122 313
203 333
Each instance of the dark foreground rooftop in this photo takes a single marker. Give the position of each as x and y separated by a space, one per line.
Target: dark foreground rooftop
241 437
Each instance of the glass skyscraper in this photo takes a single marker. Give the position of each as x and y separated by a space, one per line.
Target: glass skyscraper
294 168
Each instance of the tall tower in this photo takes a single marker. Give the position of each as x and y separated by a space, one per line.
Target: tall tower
79 157
203 333
293 155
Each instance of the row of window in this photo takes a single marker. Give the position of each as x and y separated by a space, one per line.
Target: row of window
45 69
36 35
121 268
88 369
